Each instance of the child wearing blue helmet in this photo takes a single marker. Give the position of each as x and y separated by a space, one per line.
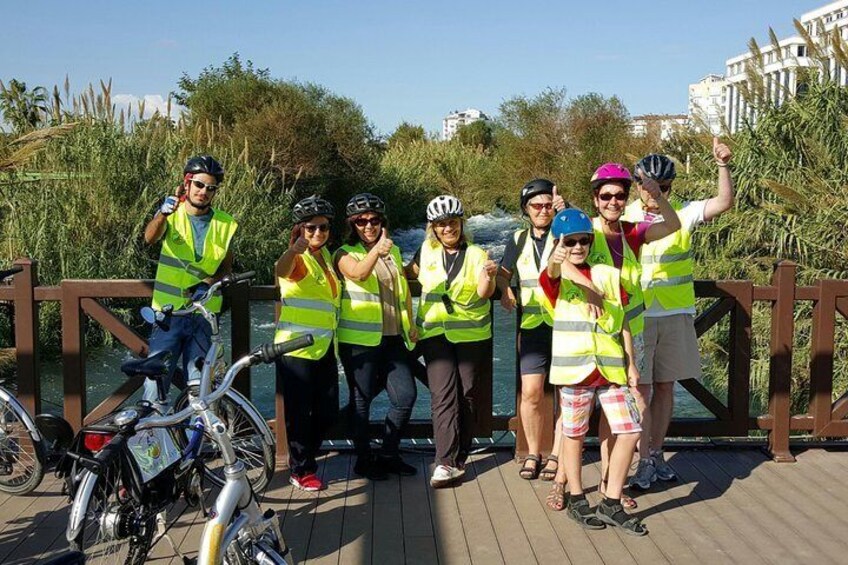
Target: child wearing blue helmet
592 358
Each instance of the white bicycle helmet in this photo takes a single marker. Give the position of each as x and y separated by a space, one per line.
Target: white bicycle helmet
444 207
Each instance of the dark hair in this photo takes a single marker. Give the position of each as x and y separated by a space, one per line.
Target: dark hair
297 231
352 236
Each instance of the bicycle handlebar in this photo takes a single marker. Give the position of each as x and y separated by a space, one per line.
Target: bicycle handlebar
9 272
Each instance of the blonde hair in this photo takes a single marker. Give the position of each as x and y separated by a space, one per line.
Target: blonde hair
464 236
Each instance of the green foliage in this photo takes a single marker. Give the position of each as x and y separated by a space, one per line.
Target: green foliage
478 135
21 108
405 134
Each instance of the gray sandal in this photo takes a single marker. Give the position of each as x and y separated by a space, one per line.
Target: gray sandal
616 517
580 511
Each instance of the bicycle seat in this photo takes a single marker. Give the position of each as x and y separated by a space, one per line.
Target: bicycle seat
152 366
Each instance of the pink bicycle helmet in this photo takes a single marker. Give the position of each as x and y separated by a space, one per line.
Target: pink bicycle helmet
611 172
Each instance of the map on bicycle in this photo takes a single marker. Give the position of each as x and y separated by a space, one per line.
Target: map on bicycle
153 450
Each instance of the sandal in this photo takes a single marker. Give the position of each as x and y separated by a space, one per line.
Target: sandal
527 472
556 498
580 511
548 474
614 515
626 501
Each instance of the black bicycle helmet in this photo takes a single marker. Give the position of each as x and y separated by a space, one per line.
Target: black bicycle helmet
534 188
365 202
204 164
310 207
658 167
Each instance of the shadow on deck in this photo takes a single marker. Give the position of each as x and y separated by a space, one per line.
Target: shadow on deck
729 505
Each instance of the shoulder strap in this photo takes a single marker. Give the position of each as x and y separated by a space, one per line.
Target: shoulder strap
522 239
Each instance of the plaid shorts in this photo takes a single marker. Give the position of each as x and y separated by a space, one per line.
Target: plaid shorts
617 402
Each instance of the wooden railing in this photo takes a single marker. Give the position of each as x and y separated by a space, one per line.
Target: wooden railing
81 299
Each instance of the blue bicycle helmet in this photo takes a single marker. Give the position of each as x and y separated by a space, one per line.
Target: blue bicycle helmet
571 221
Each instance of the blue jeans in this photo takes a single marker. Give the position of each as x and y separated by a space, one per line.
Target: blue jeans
189 337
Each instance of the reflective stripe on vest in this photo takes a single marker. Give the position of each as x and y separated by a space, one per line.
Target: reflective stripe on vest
667 268
178 270
309 306
631 276
361 314
471 319
532 295
580 344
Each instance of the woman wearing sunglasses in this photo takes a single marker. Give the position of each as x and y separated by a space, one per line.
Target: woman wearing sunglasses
455 325
309 377
525 255
375 334
593 358
617 243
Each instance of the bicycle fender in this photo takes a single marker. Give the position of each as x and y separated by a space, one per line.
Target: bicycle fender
80 505
6 396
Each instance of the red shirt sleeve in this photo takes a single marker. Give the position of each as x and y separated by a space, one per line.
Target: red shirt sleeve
634 234
550 286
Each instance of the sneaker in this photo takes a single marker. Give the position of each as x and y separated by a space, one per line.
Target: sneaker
664 470
308 482
646 474
444 475
394 464
367 466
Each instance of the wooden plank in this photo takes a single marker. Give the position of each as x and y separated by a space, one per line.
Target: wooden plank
115 326
388 534
483 544
301 516
780 361
418 539
329 514
357 531
512 537
545 539
451 545
45 516
26 330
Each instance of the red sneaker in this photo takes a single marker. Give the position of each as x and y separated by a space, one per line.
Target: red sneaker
308 482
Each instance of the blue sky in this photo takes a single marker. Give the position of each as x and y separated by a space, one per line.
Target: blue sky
400 60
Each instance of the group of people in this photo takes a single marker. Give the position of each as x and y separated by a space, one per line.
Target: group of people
607 310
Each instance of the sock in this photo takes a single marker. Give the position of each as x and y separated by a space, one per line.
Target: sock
610 502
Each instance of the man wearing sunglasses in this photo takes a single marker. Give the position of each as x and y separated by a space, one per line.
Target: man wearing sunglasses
195 253
671 344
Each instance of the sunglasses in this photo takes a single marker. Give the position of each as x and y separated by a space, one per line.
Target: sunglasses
620 196
540 207
362 222
583 241
665 188
312 228
200 184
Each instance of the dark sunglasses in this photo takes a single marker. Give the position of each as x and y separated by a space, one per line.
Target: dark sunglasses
665 188
201 184
540 207
362 222
312 228
584 241
620 196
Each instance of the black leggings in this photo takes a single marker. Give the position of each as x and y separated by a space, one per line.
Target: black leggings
311 398
369 370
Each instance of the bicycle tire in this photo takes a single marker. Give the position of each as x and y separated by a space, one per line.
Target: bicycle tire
21 452
249 435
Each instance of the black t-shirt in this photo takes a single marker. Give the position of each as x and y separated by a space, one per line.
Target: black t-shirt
511 251
451 263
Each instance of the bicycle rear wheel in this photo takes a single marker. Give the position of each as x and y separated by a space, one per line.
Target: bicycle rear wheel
21 453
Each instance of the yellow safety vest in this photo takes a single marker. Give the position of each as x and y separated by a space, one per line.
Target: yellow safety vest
309 306
471 319
667 269
178 270
581 344
533 314
361 317
631 275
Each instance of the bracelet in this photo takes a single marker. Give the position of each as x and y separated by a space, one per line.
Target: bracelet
722 165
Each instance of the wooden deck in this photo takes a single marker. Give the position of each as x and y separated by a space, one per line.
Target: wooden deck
729 506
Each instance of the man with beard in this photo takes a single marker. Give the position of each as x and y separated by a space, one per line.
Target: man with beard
195 254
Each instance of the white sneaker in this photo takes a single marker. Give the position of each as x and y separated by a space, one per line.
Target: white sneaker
646 473
444 475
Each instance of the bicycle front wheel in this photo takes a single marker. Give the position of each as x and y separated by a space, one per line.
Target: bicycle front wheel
249 436
21 456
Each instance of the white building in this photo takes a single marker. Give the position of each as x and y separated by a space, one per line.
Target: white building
456 119
780 66
707 103
662 125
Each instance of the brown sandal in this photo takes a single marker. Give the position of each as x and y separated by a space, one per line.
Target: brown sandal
527 472
626 501
547 474
556 498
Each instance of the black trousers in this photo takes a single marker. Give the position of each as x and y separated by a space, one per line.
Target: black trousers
369 370
311 399
453 370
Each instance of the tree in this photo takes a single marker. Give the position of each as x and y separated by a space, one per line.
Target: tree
476 134
23 109
405 134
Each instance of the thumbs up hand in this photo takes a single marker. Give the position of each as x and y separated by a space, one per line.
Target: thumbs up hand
558 202
721 152
300 245
559 253
384 244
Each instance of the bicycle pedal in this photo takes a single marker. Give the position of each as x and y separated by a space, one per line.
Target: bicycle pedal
5 470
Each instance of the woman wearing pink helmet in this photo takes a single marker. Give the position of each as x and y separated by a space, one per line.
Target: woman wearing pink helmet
617 243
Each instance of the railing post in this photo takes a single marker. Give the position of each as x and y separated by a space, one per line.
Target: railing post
26 336
239 297
821 357
73 355
739 365
780 365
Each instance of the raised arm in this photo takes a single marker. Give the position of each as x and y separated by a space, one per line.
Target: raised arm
723 201
670 223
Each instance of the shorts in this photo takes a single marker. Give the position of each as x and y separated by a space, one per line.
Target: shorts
617 402
535 348
671 350
639 352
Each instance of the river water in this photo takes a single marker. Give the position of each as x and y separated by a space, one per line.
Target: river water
490 231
